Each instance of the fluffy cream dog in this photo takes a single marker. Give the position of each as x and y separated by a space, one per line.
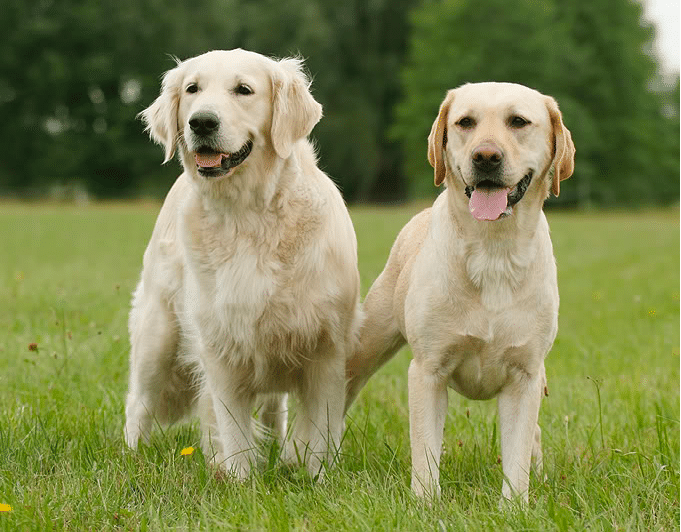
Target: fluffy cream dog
250 284
471 282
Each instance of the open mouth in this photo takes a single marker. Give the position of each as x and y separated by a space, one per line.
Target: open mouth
491 201
211 163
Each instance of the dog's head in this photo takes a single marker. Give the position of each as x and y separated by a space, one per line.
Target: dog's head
223 107
495 141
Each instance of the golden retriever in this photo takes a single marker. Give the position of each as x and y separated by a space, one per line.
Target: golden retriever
250 287
471 282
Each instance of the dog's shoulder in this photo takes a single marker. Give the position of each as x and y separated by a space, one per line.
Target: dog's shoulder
410 240
164 257
312 209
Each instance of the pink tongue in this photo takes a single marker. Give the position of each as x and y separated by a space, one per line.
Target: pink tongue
208 160
488 204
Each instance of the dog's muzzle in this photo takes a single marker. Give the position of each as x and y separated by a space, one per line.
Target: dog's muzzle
211 163
519 190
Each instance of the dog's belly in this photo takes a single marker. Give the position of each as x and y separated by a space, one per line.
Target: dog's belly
479 369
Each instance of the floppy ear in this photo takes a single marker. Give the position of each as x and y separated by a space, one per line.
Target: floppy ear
564 148
437 140
294 111
160 117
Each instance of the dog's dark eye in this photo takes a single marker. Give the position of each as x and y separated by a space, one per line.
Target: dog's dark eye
192 88
518 122
243 89
466 122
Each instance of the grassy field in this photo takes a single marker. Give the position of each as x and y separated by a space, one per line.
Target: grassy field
610 424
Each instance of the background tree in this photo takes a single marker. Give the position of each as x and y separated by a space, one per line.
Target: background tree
355 51
74 74
591 56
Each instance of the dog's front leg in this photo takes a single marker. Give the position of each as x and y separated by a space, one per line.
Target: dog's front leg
274 415
427 413
317 437
518 406
153 339
232 408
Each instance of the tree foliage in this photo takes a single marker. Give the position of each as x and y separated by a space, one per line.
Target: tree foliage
593 57
74 74
354 50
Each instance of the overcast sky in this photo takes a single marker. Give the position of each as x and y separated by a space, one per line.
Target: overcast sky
665 15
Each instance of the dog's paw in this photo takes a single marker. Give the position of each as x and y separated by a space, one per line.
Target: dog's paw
425 490
133 435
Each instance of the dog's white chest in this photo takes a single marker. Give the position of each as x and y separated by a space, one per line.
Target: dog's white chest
477 349
495 268
246 306
225 301
487 321
229 281
242 289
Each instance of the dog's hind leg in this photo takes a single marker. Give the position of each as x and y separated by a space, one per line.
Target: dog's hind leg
379 338
154 340
537 455
274 415
210 440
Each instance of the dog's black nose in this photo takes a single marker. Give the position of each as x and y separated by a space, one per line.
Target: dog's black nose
204 122
487 157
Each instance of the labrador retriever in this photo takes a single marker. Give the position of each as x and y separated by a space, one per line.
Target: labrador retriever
250 287
471 282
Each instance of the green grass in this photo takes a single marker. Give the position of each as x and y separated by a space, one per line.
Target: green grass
610 424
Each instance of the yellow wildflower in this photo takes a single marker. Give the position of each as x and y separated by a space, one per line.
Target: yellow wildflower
5 507
187 451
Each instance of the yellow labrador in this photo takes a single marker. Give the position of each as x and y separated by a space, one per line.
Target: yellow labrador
471 282
250 284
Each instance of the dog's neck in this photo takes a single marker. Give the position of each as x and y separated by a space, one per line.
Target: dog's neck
245 191
255 190
498 255
252 204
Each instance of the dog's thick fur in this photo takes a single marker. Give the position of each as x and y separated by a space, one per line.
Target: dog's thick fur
250 284
476 300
